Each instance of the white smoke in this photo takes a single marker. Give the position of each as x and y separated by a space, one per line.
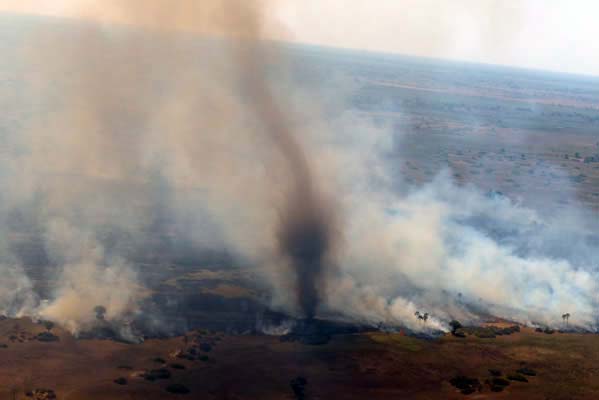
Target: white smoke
17 297
84 161
450 250
86 282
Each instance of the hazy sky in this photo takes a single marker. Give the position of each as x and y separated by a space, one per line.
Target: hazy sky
549 34
560 35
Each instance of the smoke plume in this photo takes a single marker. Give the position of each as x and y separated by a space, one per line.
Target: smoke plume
173 99
306 222
142 125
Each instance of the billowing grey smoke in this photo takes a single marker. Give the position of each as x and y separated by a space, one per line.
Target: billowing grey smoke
125 106
305 235
125 141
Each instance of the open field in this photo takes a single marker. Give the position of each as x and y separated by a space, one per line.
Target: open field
374 366
524 133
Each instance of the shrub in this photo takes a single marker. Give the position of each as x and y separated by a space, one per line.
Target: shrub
500 382
100 312
485 334
177 366
47 337
298 386
465 385
155 374
508 330
48 325
177 388
482 331
120 381
455 325
497 384
527 371
517 377
495 372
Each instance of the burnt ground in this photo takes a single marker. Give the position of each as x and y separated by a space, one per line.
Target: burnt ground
351 366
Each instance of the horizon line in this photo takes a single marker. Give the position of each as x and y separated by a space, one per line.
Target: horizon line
325 47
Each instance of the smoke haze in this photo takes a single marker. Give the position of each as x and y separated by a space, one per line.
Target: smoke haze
127 108
186 123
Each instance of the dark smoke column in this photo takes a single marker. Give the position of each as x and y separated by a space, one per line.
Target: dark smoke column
304 235
306 223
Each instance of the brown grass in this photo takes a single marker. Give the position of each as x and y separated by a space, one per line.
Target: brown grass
367 366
